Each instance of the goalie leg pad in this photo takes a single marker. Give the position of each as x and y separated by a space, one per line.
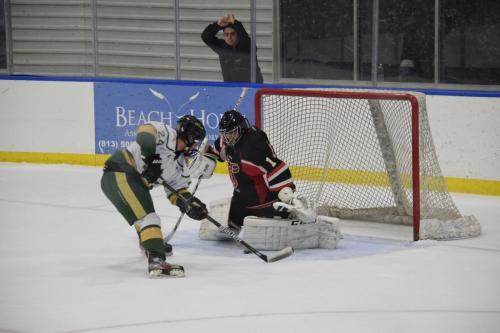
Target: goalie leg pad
303 235
219 211
265 233
329 232
208 231
275 234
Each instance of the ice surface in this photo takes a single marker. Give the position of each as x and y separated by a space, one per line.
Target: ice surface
70 263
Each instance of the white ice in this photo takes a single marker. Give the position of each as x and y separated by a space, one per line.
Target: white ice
70 263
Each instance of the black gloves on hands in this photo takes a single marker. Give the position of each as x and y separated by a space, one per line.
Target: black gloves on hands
153 169
192 206
196 209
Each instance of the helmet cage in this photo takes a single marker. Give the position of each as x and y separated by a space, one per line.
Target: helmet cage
230 126
232 136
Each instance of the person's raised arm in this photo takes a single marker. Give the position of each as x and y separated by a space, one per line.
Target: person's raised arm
209 34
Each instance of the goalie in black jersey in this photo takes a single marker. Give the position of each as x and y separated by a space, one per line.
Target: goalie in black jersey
256 172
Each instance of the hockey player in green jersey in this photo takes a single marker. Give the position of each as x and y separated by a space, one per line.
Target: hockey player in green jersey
160 153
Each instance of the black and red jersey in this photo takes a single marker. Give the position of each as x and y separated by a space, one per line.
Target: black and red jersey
256 172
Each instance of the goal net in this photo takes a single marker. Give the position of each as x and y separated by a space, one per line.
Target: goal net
363 155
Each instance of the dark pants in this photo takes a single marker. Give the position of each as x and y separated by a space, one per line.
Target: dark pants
239 211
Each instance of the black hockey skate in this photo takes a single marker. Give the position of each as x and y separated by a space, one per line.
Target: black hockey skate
158 268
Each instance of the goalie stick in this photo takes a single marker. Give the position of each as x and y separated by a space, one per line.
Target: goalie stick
240 99
281 254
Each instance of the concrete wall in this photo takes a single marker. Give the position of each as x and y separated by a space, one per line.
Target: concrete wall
57 119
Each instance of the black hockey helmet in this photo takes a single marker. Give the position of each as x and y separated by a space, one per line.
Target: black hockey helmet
190 130
231 125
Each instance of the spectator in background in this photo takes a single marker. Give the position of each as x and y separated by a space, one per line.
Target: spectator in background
234 50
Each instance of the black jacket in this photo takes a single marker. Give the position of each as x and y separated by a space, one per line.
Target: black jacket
234 61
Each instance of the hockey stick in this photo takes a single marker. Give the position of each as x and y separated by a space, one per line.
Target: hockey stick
281 254
236 107
203 147
171 234
240 99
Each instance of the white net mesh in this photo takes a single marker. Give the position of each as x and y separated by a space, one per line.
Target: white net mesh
353 155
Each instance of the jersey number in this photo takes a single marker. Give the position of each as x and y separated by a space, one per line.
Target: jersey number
233 169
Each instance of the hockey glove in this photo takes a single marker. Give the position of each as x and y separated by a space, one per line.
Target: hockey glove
196 209
300 208
192 206
153 169
203 166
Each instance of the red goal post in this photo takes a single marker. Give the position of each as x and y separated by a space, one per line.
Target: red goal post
364 155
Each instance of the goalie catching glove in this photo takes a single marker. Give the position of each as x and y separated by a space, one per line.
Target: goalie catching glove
191 205
300 208
202 166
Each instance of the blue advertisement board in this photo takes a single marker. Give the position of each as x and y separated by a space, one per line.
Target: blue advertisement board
121 107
